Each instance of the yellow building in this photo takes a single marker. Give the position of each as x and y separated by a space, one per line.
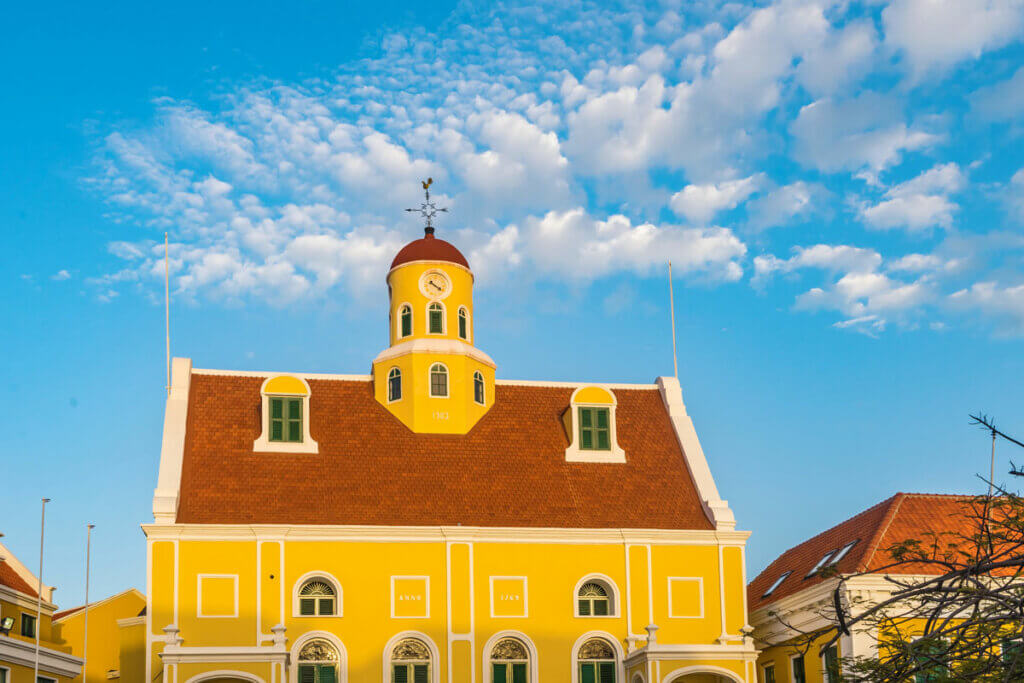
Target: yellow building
19 599
116 643
429 523
790 601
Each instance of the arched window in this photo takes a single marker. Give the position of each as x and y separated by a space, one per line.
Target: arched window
510 662
318 662
438 381
405 321
435 318
317 598
478 388
463 323
410 662
596 662
594 600
394 384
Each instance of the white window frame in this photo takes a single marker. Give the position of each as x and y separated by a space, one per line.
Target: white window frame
792 659
6 670
574 453
199 596
448 380
327 578
531 651
483 381
469 328
401 388
825 678
435 654
613 596
700 594
444 319
300 642
620 668
263 444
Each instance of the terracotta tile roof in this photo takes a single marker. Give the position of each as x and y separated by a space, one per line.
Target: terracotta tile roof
67 612
429 248
510 469
11 579
903 516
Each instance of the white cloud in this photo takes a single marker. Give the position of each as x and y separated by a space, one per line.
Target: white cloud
700 203
839 61
1003 101
783 205
61 275
992 300
866 131
934 35
920 203
1014 196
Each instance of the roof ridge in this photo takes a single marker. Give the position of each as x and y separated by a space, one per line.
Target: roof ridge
872 547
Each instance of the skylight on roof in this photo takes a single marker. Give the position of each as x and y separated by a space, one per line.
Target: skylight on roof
822 562
778 582
842 552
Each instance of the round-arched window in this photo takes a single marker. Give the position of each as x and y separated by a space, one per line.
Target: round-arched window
405 320
596 661
318 662
594 600
435 318
510 662
317 598
478 388
394 384
410 662
463 323
438 380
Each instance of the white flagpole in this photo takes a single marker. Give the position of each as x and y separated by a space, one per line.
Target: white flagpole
85 637
672 305
39 588
167 309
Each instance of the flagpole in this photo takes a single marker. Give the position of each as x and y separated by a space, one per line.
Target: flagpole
85 628
39 590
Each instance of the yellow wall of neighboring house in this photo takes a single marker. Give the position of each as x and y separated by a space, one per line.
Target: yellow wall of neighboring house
18 672
781 656
104 633
230 590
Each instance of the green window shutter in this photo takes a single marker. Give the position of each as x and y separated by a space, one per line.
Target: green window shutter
295 409
307 607
607 672
518 673
436 322
462 326
277 408
277 419
600 608
406 322
584 608
499 673
588 673
295 419
602 417
399 674
586 417
602 440
798 670
326 673
420 673
326 606
307 673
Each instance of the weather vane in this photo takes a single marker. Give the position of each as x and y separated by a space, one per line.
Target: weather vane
428 209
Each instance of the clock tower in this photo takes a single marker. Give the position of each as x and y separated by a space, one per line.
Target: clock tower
431 376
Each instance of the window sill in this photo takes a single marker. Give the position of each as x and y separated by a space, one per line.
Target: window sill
262 445
575 454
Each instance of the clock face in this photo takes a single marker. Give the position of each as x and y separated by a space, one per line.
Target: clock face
435 285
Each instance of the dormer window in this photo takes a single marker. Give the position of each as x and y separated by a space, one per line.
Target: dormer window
590 425
435 318
394 384
405 321
284 415
463 323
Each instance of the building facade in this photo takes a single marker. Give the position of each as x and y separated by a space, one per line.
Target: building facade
793 598
115 647
21 625
429 523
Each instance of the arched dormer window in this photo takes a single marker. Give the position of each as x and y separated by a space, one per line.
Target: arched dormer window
435 318
404 321
463 323
438 381
510 662
284 414
596 662
410 662
317 599
318 662
479 395
590 425
394 385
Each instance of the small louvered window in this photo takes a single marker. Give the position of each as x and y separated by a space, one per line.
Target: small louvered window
316 598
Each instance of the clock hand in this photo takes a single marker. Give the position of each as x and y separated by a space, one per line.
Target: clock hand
434 285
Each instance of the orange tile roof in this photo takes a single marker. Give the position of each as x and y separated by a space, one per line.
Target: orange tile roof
902 517
508 471
67 612
11 579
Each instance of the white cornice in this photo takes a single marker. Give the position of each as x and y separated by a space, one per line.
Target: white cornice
385 534
176 654
131 621
442 346
267 373
51 661
573 385
659 652
25 600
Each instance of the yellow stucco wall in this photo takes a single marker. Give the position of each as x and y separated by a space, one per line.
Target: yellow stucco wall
104 633
781 656
474 589
19 673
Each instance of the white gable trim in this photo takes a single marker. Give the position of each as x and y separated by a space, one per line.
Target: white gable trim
172 450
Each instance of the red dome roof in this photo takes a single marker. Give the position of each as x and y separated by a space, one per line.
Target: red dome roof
429 248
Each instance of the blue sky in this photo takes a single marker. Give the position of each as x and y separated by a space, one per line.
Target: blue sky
840 187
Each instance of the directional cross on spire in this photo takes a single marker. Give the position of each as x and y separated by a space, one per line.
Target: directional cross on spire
428 209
